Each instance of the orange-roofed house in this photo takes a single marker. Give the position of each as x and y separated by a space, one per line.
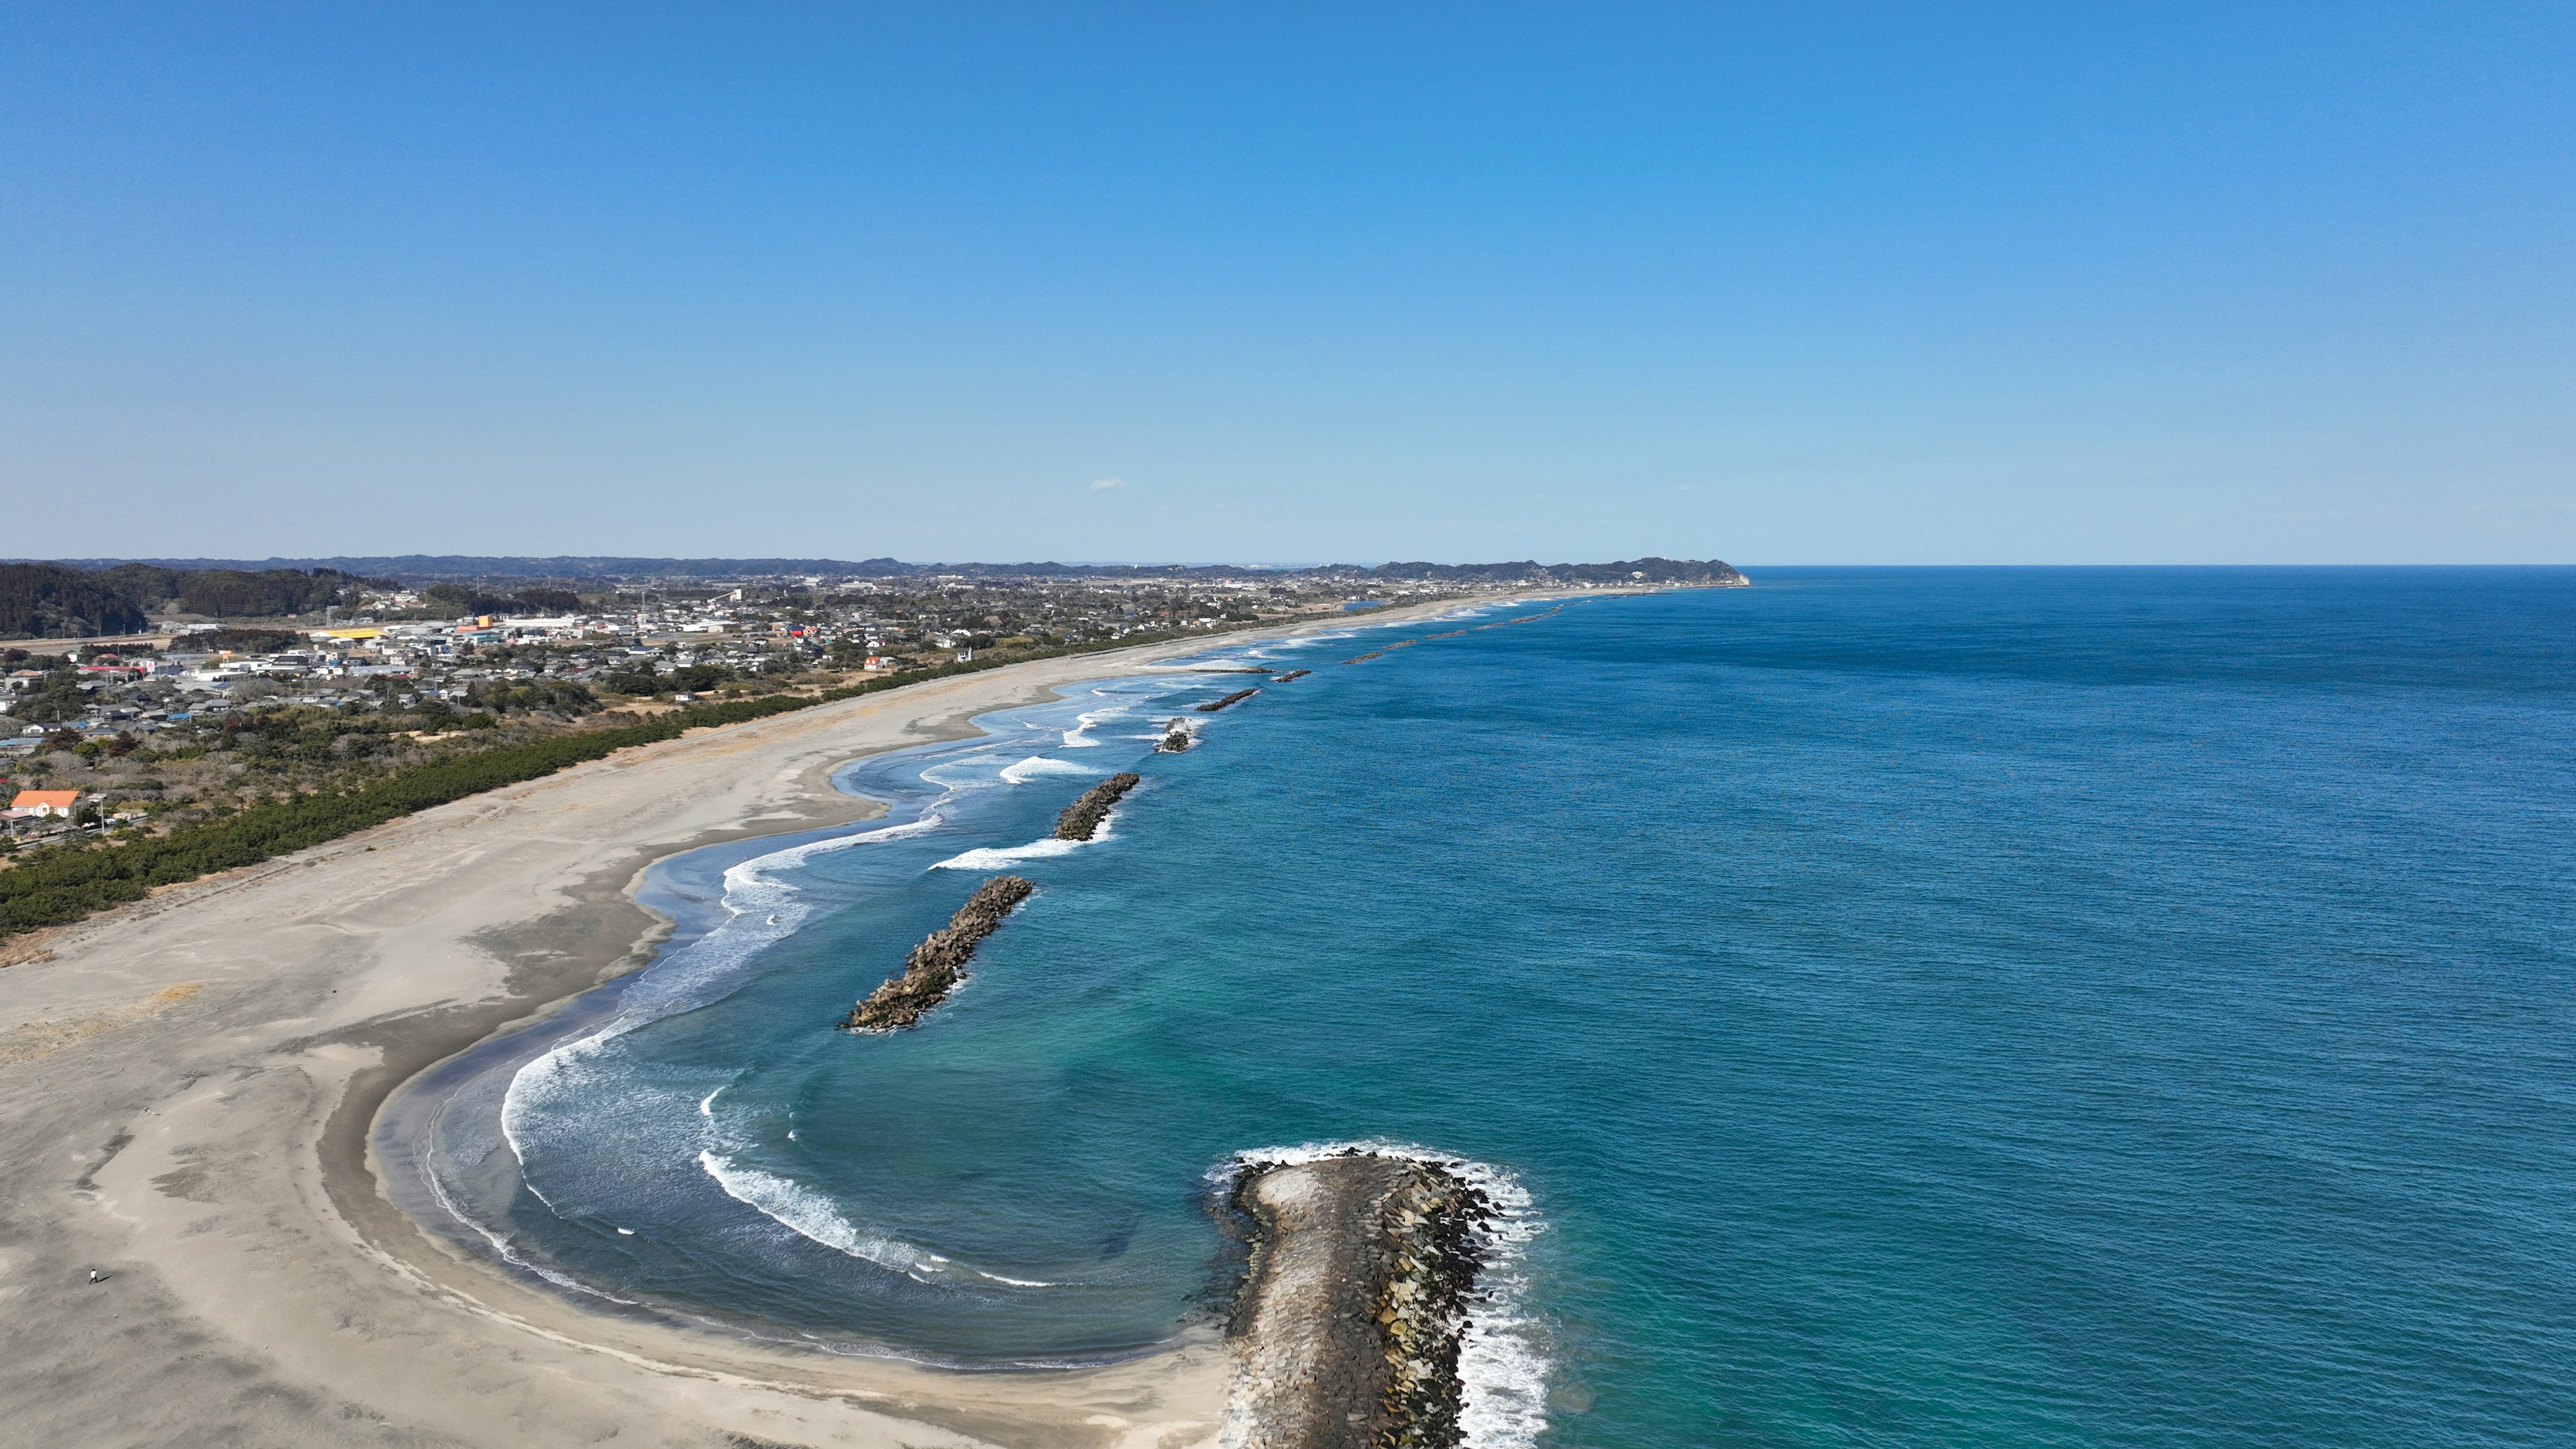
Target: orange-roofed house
45 802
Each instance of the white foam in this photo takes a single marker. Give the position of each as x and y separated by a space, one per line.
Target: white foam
994 857
1079 737
962 773
761 910
1502 1369
1037 766
808 1214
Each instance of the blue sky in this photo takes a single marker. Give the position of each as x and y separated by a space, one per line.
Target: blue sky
1787 283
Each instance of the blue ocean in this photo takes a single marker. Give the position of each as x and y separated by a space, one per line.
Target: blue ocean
1900 1007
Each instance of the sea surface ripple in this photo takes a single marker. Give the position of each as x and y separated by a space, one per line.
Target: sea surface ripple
1914 1007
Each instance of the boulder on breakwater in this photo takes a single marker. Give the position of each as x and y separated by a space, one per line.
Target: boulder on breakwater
1176 738
1240 695
1354 1305
1081 819
1291 674
936 965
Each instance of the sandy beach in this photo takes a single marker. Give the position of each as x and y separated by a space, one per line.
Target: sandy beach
186 1087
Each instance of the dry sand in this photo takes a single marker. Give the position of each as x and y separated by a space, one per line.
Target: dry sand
186 1087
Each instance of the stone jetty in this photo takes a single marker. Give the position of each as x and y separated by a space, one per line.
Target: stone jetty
936 965
1176 738
1291 674
1240 695
1081 819
1347 1331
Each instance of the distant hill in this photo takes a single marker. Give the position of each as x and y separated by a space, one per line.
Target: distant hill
428 568
58 601
74 598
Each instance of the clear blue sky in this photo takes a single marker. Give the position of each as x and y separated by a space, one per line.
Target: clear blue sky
1781 283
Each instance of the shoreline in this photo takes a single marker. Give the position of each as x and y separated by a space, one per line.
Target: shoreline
196 1079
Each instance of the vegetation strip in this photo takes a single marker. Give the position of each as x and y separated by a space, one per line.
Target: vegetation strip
1081 819
936 965
1240 695
59 884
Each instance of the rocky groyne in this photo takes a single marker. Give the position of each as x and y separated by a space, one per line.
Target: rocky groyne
1291 674
1239 696
1176 738
1353 1309
1081 819
936 965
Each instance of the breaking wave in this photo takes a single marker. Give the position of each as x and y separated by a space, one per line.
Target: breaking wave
1038 766
994 857
810 1215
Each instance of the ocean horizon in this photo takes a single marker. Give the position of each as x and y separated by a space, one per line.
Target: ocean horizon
1897 1006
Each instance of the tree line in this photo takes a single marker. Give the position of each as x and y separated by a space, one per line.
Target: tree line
54 601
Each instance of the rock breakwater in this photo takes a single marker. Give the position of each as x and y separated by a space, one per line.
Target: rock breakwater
936 965
1354 1307
1240 695
1081 819
1176 738
1291 674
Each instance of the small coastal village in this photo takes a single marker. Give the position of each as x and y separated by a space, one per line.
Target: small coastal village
186 694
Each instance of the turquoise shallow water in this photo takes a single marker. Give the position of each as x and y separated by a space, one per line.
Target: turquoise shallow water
1921 1007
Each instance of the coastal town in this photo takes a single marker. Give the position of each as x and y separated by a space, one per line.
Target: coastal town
185 713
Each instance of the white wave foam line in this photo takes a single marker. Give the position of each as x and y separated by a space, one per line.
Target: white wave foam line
760 911
994 857
810 1215
1038 766
944 774
1502 1370
1079 737
807 1214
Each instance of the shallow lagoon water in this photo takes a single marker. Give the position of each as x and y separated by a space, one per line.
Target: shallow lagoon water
1922 1007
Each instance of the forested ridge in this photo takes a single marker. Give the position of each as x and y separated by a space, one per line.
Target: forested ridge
51 601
